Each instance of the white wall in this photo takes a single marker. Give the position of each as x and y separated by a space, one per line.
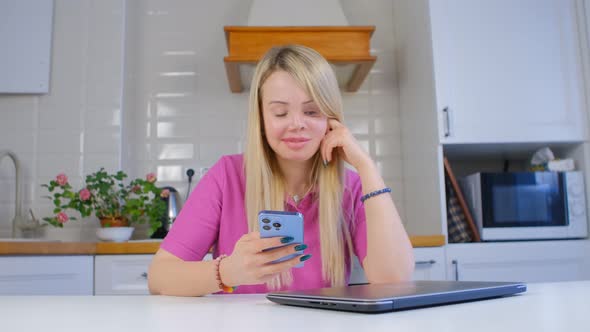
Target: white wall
141 85
75 128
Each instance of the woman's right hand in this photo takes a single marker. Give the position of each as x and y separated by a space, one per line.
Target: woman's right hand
249 265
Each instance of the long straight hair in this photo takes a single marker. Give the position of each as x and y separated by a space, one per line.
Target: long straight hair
265 184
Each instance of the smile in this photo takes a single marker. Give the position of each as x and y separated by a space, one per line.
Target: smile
295 143
295 139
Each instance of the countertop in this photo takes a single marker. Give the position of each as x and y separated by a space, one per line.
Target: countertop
133 247
544 307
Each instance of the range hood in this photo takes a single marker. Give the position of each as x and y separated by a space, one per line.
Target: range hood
346 47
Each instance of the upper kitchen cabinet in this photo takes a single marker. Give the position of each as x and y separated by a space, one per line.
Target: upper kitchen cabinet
487 71
506 71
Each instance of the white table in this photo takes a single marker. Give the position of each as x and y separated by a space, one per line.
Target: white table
544 307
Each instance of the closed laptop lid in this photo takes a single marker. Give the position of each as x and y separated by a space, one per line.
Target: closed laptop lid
386 297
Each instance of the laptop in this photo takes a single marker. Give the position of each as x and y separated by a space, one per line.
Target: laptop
375 298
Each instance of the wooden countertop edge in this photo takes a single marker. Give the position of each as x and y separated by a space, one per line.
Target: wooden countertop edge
127 248
110 248
47 248
428 241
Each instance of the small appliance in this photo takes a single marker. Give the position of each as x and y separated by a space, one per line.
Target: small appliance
527 205
172 209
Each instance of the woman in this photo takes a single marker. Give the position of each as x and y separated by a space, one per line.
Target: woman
296 146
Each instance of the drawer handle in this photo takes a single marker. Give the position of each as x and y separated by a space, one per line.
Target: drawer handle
446 122
456 266
144 276
430 262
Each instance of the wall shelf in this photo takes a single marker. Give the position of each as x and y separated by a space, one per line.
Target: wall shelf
340 45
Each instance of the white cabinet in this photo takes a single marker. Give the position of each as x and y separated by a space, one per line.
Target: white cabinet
123 274
46 275
430 265
542 261
506 71
480 76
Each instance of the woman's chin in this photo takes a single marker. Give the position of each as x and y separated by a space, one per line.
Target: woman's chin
297 156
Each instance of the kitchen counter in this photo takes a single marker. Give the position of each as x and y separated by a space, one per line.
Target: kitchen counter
544 307
132 247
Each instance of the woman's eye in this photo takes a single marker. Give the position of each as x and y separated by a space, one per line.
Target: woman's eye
280 115
311 113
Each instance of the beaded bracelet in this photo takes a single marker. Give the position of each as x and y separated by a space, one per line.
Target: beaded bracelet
222 286
375 193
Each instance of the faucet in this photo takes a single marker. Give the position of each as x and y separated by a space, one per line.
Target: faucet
18 218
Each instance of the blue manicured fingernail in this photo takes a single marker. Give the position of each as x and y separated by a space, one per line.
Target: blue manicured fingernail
287 239
325 163
304 258
300 247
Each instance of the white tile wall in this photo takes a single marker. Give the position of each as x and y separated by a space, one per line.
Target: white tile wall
76 127
141 85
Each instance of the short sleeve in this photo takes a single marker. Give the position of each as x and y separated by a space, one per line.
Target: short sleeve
357 218
196 227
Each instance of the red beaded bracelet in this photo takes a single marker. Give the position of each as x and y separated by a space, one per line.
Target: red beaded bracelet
222 286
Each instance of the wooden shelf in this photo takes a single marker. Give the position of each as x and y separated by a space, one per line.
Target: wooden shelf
340 45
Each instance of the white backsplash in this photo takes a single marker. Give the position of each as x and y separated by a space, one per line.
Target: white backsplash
140 85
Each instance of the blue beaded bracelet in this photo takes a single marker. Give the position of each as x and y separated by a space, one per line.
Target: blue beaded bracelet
375 193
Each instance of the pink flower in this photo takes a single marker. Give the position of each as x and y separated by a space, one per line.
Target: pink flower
136 188
61 179
62 217
165 193
151 177
84 194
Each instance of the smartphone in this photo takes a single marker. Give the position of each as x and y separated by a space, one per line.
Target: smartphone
282 223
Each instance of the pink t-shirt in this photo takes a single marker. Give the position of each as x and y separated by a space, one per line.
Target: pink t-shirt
215 214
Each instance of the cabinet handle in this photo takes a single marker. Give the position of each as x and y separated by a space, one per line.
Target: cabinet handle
456 266
144 275
430 262
447 122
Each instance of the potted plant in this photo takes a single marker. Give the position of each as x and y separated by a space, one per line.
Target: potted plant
106 196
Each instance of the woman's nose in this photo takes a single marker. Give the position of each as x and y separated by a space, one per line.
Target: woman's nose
297 122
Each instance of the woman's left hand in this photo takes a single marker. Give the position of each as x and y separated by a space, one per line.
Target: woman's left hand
340 138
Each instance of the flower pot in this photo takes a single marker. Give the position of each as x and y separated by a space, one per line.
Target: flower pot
114 229
114 234
113 222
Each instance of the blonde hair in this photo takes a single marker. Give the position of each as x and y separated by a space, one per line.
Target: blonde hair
264 181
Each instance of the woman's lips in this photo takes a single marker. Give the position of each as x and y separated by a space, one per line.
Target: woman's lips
295 143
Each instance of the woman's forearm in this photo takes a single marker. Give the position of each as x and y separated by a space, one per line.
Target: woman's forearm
173 276
390 256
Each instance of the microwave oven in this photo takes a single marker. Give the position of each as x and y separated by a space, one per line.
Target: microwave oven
527 205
